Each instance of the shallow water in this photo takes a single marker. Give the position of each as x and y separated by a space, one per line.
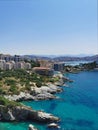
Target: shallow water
77 106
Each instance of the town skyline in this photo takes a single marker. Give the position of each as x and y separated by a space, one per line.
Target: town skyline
55 27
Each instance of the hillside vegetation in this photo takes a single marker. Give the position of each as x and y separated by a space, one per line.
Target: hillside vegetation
15 81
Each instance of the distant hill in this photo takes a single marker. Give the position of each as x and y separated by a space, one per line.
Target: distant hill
37 57
87 58
64 58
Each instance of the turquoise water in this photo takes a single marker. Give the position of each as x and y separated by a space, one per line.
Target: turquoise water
77 106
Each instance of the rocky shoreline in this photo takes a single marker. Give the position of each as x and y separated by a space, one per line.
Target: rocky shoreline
10 112
42 93
24 113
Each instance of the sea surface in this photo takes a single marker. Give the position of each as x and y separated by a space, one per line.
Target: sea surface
77 106
73 63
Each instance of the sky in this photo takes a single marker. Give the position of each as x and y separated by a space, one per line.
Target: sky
52 27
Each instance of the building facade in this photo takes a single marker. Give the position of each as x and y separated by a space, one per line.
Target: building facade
43 71
59 66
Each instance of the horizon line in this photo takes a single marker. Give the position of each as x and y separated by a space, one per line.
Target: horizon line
83 55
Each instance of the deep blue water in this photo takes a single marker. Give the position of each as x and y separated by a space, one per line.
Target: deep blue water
77 106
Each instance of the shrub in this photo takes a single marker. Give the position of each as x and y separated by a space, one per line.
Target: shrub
6 102
1 91
10 82
14 90
38 83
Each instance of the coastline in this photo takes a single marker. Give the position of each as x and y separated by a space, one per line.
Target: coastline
72 99
43 93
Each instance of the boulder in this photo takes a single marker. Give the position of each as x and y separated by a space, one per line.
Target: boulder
31 127
46 117
53 125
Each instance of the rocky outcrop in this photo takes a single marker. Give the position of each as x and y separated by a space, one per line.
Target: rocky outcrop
45 92
60 82
31 127
23 113
42 93
54 88
65 79
26 96
44 96
53 125
21 97
50 88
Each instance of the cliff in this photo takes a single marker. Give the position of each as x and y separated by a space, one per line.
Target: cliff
12 111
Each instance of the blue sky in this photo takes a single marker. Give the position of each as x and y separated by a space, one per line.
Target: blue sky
48 27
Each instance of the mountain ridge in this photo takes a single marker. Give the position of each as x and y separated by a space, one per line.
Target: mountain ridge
65 58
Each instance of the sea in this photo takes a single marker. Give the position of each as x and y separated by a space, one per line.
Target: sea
77 105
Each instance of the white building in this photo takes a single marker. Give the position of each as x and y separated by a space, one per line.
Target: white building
14 65
2 64
8 66
19 65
